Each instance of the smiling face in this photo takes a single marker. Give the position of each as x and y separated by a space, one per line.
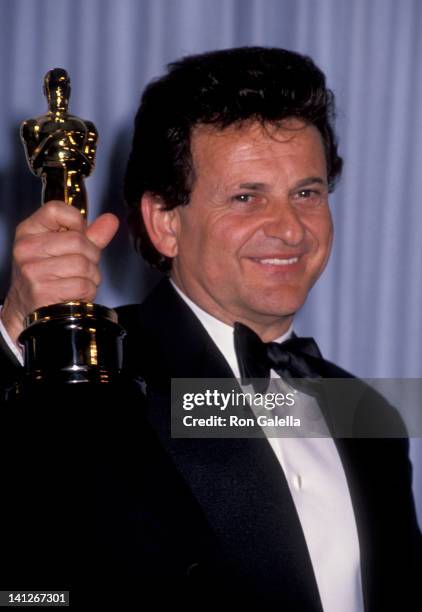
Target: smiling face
257 231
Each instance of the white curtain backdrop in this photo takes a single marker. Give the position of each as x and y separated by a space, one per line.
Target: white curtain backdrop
366 311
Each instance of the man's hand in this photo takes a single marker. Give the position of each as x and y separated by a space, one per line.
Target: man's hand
51 265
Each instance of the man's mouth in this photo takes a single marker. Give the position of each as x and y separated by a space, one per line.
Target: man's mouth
276 261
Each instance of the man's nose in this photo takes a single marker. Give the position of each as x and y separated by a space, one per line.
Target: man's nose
283 221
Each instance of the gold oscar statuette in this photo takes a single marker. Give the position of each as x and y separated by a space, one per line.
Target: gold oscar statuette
73 342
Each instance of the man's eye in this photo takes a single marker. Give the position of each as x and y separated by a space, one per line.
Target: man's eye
310 196
245 198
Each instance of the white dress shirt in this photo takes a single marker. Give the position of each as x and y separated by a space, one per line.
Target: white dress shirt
318 485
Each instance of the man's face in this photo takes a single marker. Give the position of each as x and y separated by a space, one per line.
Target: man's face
257 231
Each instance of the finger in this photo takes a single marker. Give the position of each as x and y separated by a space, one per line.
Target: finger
52 217
64 290
33 247
36 273
102 230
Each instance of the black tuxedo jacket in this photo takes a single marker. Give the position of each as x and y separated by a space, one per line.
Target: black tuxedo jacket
200 521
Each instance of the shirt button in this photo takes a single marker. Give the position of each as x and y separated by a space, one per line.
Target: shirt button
297 482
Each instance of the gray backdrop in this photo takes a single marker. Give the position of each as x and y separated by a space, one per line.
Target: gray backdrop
365 312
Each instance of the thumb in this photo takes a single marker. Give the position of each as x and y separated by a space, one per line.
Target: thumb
102 230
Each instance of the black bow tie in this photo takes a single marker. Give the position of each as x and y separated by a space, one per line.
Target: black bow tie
290 359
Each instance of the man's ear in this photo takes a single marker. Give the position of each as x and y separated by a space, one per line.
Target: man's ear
161 224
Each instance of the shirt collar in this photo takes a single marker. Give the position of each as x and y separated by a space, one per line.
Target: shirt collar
221 333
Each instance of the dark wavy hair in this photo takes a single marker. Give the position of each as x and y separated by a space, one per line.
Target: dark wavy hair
220 88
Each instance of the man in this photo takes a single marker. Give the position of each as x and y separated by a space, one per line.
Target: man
233 157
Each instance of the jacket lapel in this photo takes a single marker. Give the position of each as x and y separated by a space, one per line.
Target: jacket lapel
238 482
